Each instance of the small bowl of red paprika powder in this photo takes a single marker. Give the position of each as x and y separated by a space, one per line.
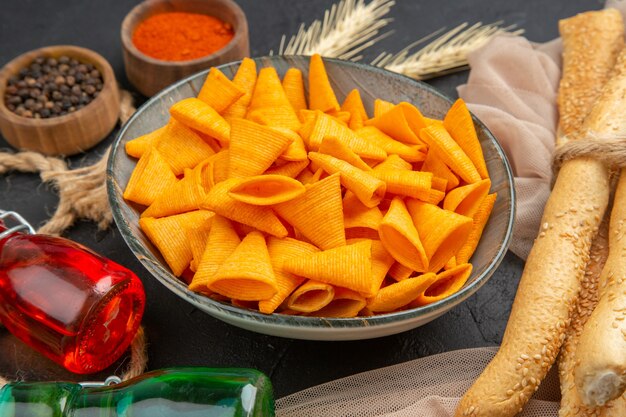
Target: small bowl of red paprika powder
167 40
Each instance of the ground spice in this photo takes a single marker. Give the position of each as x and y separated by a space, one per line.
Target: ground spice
179 36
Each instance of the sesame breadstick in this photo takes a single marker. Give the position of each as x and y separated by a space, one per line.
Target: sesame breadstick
550 283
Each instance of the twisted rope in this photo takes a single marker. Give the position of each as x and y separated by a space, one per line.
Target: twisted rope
609 149
82 195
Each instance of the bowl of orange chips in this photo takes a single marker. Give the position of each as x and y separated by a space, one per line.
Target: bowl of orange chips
312 198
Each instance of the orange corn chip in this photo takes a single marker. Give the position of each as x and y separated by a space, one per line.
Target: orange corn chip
218 91
265 190
150 178
467 199
367 188
354 105
222 241
435 197
434 164
334 147
318 213
344 266
450 264
296 151
198 115
290 169
341 116
269 104
259 217
478 225
401 293
253 148
283 117
245 79
381 262
280 250
198 238
358 215
382 106
180 197
415 153
450 152
181 147
442 232
445 284
326 126
346 303
458 122
138 146
293 85
414 184
321 94
400 272
169 235
247 273
393 162
215 169
403 123
401 238
311 296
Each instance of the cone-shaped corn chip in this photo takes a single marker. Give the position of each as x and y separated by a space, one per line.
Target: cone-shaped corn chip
309 118
450 152
222 241
345 266
305 176
211 141
434 164
181 147
293 85
321 94
367 188
218 91
151 177
346 303
341 116
245 79
198 115
280 250
478 225
400 272
354 105
356 214
450 264
180 197
414 184
318 213
247 273
466 200
382 106
435 197
401 293
253 148
290 169
334 147
381 262
198 238
442 232
283 117
296 151
269 104
138 146
169 236
401 238
326 126
372 134
215 169
403 123
446 284
265 190
439 184
261 218
458 122
393 162
311 296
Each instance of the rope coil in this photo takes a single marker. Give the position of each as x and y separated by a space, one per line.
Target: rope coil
609 149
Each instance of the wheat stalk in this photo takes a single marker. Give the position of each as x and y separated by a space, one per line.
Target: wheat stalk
446 54
348 28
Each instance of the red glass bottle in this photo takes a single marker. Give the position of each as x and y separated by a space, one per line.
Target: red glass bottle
72 305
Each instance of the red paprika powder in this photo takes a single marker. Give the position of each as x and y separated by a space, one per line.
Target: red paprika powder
179 36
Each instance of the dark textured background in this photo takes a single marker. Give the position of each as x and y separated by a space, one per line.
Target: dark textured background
178 333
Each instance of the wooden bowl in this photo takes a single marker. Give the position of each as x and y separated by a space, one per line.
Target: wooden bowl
150 75
71 133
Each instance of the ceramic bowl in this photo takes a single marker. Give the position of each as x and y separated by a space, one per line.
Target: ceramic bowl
150 75
372 83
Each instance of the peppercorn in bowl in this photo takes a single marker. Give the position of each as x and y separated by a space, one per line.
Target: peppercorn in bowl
326 229
57 100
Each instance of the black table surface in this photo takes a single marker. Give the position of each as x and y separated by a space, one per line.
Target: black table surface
179 334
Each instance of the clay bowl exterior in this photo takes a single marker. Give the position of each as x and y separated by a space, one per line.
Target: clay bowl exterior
150 75
372 83
71 133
